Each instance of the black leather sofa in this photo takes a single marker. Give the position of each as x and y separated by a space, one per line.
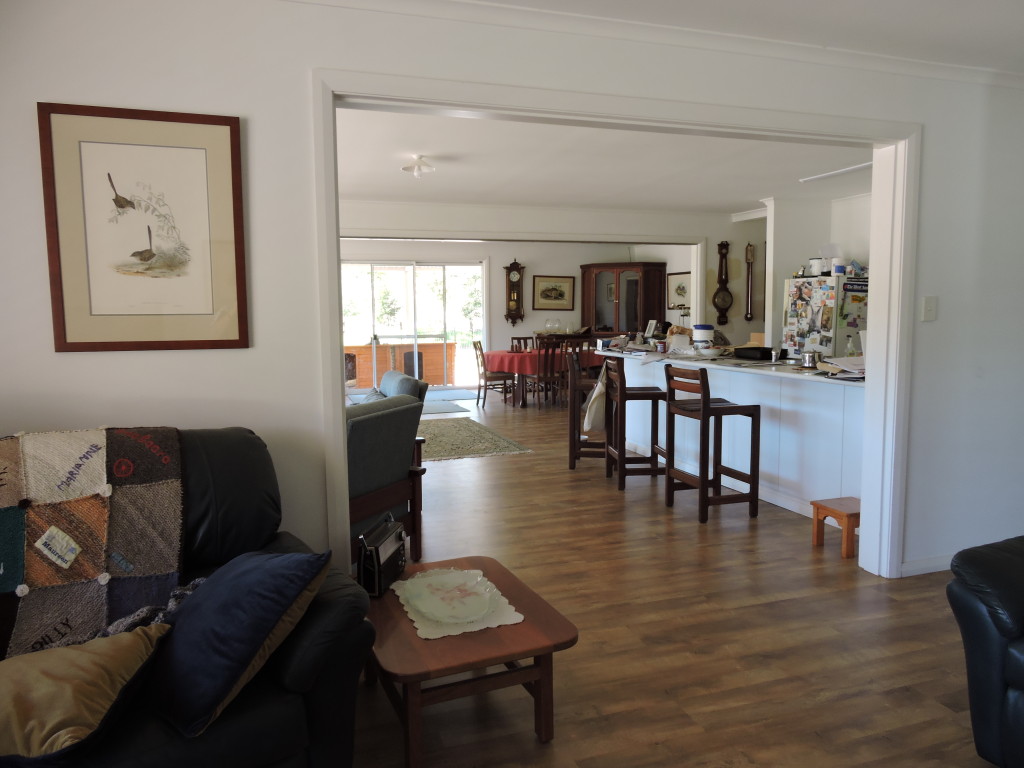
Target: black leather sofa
987 598
299 710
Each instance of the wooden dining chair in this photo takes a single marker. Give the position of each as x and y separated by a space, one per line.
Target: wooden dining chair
548 380
522 343
497 381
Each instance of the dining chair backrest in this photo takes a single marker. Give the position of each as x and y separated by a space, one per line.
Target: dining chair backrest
615 381
551 360
694 382
481 365
523 343
574 367
572 345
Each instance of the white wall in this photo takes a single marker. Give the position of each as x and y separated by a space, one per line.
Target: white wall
737 329
254 58
851 226
796 230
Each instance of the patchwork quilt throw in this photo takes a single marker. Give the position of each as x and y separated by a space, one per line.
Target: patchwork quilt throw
90 531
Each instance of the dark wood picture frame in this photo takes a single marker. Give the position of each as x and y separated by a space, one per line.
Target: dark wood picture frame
144 229
555 293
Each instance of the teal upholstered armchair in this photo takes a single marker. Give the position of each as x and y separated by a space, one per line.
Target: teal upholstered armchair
397 383
384 458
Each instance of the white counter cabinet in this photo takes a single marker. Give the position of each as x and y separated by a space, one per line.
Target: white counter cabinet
811 428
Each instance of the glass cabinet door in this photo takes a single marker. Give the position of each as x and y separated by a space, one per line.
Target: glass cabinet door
604 301
628 295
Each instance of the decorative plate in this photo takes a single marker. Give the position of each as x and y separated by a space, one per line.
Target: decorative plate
450 596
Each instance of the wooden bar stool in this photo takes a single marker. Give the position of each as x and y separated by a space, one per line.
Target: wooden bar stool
616 397
580 387
709 411
845 510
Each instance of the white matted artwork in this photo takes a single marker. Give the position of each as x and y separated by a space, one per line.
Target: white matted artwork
679 289
161 233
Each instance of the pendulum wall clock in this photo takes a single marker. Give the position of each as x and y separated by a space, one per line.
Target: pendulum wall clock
514 292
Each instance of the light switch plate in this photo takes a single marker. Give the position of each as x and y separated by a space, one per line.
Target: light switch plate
929 308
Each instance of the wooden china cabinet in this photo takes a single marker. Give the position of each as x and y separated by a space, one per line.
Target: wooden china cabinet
621 297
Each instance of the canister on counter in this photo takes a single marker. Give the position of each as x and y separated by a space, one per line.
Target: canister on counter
703 336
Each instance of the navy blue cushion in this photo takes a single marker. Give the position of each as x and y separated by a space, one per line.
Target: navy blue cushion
225 631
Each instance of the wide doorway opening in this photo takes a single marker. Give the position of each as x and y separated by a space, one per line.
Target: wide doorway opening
895 149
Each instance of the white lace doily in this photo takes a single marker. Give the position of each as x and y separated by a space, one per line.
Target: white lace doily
448 601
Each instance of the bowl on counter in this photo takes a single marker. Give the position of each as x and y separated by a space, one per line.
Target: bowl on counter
708 351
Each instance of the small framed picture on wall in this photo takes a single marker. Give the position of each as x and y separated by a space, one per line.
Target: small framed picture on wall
553 293
678 288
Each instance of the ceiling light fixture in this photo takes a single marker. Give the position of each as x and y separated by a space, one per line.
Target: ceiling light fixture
418 167
834 173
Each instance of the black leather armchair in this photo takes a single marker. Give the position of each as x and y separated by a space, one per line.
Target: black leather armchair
987 598
299 710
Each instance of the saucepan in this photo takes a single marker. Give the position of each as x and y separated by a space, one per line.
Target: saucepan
810 359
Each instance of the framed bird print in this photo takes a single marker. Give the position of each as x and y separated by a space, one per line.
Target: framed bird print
144 229
678 286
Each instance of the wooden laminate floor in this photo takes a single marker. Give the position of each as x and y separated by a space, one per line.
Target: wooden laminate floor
728 645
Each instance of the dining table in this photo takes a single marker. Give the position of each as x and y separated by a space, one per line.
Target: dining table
525 363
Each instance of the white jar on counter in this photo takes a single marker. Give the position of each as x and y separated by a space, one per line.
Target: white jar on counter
703 336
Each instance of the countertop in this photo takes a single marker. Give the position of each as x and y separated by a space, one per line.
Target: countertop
758 367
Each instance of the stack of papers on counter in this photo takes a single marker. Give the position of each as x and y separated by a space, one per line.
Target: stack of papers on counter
845 367
636 350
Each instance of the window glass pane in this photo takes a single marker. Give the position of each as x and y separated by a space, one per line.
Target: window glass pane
418 319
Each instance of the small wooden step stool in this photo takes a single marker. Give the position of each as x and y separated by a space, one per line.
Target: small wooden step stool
845 511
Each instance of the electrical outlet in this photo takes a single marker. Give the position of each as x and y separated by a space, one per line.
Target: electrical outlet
929 308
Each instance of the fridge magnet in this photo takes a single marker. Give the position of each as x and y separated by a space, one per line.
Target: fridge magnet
826 318
144 229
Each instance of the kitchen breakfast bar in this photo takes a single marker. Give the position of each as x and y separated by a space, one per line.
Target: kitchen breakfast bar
811 425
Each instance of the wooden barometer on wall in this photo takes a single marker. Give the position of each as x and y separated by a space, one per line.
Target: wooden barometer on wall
722 299
514 292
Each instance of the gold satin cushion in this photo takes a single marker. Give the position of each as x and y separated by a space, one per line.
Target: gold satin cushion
55 698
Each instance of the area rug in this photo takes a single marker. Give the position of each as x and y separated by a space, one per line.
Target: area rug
463 439
430 406
450 394
442 406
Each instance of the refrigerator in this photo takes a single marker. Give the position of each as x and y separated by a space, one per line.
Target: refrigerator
825 314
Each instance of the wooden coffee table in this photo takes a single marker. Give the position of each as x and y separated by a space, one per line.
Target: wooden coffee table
404 661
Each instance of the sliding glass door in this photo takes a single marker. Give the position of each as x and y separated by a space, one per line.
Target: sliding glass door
421 319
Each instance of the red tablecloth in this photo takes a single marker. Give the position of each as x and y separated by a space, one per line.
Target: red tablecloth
527 363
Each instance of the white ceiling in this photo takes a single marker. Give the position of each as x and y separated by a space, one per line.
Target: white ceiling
489 162
492 162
